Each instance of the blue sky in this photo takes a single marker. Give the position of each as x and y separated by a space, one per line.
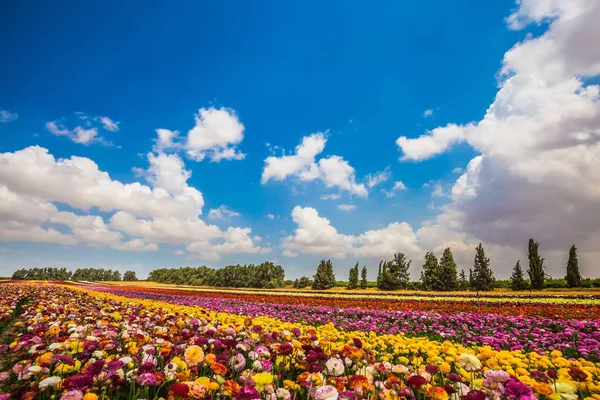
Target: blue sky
364 74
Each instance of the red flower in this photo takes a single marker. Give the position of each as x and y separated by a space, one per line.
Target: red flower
180 389
416 381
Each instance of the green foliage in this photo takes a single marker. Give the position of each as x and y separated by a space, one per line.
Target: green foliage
353 277
431 273
266 275
96 274
517 281
303 282
448 274
481 277
129 276
51 274
536 266
394 274
363 278
573 277
463 283
379 273
324 278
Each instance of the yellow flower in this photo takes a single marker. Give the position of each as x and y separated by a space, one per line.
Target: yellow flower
90 396
291 385
193 355
445 367
263 379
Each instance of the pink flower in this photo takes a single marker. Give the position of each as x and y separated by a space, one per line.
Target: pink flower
72 395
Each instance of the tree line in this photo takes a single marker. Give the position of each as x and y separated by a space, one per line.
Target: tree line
265 275
80 274
443 275
436 275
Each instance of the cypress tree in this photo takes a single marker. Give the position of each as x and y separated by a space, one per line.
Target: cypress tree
448 275
402 270
363 278
379 273
353 277
324 278
430 276
536 266
395 274
517 281
463 283
573 277
482 277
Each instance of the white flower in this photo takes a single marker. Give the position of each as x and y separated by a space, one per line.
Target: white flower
469 362
55 346
283 394
126 360
98 354
326 392
257 365
49 382
35 369
335 366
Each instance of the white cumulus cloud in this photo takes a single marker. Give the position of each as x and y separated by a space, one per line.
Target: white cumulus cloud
333 171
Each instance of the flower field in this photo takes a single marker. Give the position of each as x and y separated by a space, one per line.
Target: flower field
72 342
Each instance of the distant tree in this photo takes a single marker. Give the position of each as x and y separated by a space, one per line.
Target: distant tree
482 276
324 278
363 278
353 277
463 283
395 274
431 274
536 266
573 277
302 282
129 276
517 281
448 275
379 273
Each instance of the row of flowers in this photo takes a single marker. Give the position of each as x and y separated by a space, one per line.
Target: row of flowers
507 308
87 345
353 296
573 337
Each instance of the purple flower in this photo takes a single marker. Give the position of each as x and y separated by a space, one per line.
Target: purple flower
247 393
517 390
453 377
432 369
95 368
80 382
147 379
475 395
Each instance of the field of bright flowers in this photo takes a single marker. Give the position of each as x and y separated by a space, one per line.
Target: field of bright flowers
73 342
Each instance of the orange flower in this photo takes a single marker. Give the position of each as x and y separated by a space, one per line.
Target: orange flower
219 369
210 359
302 377
358 380
541 388
230 388
90 396
44 359
338 383
53 330
437 393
